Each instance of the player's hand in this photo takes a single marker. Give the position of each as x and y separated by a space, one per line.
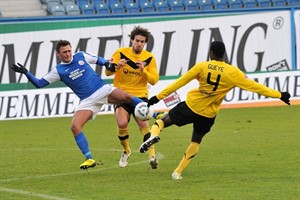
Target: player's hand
153 100
285 97
19 68
110 66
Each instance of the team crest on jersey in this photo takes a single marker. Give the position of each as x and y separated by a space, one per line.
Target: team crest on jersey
81 62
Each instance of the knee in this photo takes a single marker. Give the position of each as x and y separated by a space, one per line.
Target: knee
75 129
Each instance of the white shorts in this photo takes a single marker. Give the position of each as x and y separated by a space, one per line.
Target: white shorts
96 100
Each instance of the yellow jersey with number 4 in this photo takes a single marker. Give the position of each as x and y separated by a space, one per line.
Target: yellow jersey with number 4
215 79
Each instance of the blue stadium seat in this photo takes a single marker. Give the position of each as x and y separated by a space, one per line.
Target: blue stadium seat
87 9
205 4
220 4
57 10
161 6
190 5
112 2
102 8
146 6
98 2
127 2
233 4
250 3
80 3
278 3
293 2
116 8
175 5
264 3
132 8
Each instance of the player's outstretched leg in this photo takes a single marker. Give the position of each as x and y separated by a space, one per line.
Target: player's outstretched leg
147 144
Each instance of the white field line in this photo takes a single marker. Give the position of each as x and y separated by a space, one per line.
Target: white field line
44 196
97 169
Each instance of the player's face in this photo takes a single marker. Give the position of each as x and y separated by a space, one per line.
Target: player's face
65 54
138 44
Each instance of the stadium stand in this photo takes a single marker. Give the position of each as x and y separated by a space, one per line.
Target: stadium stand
87 9
131 7
101 8
57 10
21 8
116 8
81 3
219 4
190 5
250 3
235 4
175 5
161 6
264 3
72 10
145 6
293 2
31 8
67 2
278 3
205 4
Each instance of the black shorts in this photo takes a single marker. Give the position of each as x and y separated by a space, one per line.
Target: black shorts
128 107
181 115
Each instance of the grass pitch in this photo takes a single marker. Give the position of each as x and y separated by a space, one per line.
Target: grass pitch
250 153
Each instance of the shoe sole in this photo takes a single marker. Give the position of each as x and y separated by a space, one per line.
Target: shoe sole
146 145
86 166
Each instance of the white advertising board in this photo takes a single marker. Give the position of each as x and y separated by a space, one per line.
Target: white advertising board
60 102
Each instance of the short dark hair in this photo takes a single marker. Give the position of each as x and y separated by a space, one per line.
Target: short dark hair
62 43
139 31
218 48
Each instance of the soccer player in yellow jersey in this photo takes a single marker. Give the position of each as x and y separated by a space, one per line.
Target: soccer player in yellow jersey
134 68
216 78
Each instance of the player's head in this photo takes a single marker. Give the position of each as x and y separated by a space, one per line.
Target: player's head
137 30
139 37
64 50
217 50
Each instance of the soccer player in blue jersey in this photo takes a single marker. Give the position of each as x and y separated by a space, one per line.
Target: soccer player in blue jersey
75 71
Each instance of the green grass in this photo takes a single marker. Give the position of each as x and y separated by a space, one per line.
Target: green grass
250 153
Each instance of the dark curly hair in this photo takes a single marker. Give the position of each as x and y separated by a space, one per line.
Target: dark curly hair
139 31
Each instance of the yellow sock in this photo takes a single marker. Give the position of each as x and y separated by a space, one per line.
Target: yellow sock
151 151
157 127
123 137
191 151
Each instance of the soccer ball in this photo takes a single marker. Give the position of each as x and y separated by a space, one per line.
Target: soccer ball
143 112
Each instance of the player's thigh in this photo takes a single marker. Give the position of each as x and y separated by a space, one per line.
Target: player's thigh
80 117
118 95
181 114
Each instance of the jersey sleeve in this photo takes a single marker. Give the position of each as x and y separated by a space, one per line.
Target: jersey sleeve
193 73
151 73
93 59
243 82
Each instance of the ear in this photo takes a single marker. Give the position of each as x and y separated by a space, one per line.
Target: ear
211 54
